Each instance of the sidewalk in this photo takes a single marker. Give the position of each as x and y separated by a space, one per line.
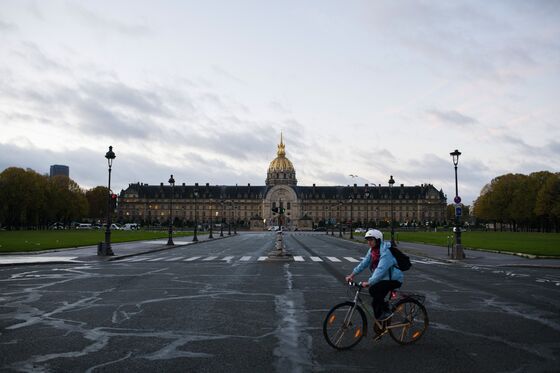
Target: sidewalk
88 254
474 257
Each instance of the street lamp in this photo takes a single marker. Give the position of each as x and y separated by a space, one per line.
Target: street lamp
391 182
229 220
172 183
222 219
351 217
366 194
339 221
458 252
327 220
211 221
105 249
234 213
195 194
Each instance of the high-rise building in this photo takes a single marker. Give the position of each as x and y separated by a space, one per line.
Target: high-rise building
57 170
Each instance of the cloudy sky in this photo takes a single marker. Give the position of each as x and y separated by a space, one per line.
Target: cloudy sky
202 90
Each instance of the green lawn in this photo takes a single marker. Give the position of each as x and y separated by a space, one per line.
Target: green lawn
547 244
13 241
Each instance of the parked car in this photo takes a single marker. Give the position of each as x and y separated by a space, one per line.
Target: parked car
57 225
360 230
130 227
84 226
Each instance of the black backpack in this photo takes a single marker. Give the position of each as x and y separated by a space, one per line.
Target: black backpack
403 261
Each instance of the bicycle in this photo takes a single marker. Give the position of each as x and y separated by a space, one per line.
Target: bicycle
346 323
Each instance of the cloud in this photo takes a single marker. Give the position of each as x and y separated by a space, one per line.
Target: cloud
109 24
452 117
34 56
7 26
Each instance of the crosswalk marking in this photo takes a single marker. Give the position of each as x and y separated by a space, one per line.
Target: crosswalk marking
231 258
156 259
333 259
174 258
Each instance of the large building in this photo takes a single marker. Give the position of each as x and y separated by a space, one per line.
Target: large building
304 207
59 170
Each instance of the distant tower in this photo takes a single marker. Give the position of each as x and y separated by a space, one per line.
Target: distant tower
281 170
57 169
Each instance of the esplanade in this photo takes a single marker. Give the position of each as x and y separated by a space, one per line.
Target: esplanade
305 207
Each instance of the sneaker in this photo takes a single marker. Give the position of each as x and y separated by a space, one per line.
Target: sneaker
384 316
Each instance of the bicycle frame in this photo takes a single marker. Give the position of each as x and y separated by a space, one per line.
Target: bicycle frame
382 326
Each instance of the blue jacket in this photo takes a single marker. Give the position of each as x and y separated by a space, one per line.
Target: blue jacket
386 269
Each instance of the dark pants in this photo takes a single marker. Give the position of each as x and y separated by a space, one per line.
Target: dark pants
379 291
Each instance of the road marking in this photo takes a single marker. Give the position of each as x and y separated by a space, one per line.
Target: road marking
174 258
316 259
192 258
227 258
350 259
299 259
261 258
209 258
333 259
245 259
156 259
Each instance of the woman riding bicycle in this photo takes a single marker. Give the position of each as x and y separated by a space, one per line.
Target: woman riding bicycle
385 275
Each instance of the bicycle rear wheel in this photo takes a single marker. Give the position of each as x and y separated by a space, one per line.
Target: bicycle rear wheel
409 321
344 326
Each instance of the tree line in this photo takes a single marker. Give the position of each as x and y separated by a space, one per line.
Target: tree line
33 201
521 202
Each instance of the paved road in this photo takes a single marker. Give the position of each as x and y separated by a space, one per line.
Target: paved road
221 306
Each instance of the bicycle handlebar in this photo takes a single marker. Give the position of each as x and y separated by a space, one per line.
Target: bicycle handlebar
354 284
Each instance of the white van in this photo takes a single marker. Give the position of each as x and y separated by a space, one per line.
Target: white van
83 226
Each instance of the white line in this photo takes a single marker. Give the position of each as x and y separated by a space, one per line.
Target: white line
299 259
245 259
174 258
156 259
135 259
227 258
261 258
350 259
209 258
333 259
316 259
192 258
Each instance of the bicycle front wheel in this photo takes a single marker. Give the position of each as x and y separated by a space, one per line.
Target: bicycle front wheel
409 321
344 326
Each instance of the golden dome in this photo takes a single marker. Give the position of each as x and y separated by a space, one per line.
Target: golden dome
281 171
281 163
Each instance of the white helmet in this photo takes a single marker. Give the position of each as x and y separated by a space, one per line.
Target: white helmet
374 233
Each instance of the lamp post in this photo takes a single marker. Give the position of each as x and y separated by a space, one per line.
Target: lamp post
105 249
234 214
351 217
366 194
195 195
458 252
339 221
391 182
229 221
222 219
172 183
210 236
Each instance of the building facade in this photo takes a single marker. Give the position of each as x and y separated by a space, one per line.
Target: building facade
304 207
59 170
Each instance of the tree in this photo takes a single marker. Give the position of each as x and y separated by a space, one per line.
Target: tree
97 199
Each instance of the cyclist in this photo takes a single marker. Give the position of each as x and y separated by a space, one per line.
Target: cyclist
385 276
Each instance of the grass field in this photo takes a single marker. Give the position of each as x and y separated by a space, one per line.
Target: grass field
547 244
13 241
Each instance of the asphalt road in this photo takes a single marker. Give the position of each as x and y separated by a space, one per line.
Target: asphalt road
220 307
